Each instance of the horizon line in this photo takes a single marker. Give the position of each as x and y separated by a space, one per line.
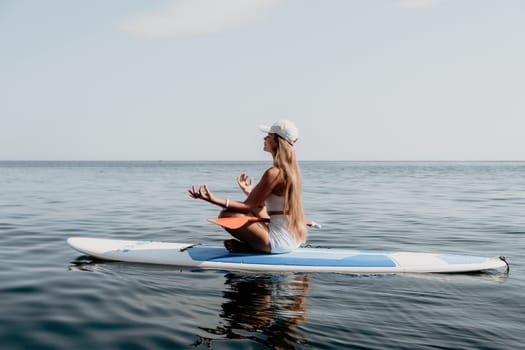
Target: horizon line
259 160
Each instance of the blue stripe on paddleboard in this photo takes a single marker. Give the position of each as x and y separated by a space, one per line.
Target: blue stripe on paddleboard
217 254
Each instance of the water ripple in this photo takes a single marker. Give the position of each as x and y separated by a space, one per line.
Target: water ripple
54 298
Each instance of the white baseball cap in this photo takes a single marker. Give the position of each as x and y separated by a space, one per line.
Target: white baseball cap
285 129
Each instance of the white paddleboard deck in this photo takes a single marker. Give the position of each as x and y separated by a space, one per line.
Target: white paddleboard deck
300 260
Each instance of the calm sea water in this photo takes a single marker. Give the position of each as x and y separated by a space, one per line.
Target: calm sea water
51 297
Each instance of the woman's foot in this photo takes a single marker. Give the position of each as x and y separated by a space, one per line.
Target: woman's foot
236 246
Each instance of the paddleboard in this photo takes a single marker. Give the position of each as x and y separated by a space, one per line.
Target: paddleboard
300 260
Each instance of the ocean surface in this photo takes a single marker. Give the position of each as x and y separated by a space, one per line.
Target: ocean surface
52 297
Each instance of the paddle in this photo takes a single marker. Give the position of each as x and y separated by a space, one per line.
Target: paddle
236 222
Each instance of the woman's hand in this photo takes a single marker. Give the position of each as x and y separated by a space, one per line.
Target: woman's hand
245 183
202 193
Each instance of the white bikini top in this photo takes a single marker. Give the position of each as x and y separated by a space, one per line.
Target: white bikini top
274 203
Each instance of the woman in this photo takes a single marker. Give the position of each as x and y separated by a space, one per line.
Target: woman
277 196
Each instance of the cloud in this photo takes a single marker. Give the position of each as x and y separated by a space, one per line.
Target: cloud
418 3
197 17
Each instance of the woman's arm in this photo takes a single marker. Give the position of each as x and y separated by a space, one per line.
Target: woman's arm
255 200
245 183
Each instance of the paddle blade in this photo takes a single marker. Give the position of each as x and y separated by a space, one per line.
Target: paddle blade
235 222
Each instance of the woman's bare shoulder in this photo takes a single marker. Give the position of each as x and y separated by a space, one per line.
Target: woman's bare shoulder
272 172
273 178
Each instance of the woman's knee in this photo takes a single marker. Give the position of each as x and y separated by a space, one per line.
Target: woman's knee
228 214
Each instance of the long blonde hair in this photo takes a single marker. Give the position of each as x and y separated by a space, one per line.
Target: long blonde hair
286 161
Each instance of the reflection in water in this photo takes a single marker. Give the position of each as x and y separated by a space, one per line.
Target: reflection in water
84 263
267 309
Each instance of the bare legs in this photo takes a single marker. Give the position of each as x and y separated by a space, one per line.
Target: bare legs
250 237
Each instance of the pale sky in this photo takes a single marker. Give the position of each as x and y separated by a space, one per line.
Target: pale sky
193 79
